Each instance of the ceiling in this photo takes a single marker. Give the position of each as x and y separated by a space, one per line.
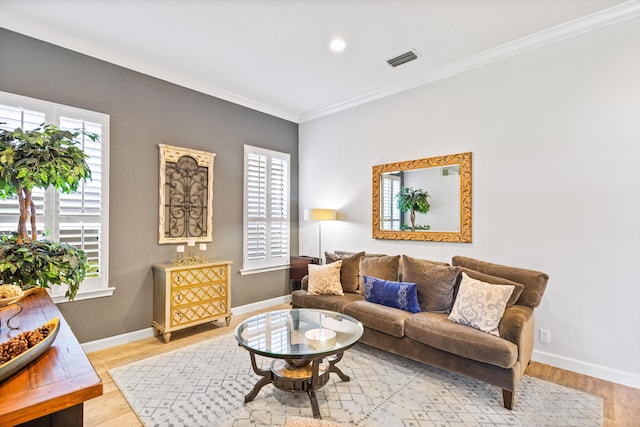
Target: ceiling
274 56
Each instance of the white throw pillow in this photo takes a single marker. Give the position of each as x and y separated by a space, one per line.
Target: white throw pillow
480 304
325 279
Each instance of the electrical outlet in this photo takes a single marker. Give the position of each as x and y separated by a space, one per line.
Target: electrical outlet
545 336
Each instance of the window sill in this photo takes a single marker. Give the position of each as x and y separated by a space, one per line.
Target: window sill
248 271
98 293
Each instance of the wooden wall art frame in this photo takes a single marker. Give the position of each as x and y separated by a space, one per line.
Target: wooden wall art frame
464 234
186 195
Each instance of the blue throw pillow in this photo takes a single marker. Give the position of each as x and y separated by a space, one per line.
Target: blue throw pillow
400 295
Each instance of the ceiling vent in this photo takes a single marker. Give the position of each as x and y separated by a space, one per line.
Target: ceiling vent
403 59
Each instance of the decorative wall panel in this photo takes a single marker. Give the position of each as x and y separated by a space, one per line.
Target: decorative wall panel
186 195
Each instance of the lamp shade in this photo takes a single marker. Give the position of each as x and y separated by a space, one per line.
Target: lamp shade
320 214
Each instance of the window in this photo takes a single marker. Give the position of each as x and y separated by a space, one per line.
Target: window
79 218
390 213
266 210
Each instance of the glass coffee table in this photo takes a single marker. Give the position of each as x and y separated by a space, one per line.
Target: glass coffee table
306 345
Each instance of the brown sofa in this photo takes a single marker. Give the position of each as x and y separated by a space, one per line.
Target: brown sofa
429 336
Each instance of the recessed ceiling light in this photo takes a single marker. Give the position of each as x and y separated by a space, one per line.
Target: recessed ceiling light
337 45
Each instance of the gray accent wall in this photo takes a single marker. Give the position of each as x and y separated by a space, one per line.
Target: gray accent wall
144 112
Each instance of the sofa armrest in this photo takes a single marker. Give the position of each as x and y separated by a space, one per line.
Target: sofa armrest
517 326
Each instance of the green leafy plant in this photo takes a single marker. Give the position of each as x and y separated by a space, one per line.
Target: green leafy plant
42 263
413 200
43 157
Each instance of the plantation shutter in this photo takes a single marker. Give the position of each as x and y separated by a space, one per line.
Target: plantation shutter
256 233
389 208
79 218
266 231
279 209
80 212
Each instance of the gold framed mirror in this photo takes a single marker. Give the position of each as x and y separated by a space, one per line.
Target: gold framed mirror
442 210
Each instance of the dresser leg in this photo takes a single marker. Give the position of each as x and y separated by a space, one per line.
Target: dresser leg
228 320
166 336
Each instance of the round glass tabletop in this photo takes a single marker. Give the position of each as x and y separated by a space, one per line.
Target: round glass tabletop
298 332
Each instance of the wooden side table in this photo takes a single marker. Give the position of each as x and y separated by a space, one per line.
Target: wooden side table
189 295
51 390
298 268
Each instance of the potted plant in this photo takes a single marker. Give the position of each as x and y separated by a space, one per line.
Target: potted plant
413 200
43 157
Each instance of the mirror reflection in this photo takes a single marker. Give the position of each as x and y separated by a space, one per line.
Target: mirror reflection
421 199
425 199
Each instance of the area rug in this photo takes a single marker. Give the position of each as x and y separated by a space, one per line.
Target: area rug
204 385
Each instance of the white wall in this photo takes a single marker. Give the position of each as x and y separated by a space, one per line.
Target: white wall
444 200
555 137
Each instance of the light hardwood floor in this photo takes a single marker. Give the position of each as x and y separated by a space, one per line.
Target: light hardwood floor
621 404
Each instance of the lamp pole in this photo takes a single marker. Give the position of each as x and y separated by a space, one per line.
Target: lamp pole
320 215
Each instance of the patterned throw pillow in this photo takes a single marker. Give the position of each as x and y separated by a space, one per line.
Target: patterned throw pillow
325 279
400 295
480 304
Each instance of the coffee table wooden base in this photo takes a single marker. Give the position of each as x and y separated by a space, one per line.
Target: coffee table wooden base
304 379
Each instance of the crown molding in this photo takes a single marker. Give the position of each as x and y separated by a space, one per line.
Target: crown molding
615 14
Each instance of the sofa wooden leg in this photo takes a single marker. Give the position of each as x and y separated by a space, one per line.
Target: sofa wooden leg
507 397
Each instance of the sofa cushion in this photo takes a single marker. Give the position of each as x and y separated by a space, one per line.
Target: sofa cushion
302 298
349 271
480 304
535 282
385 319
436 330
325 279
400 295
383 267
436 283
517 287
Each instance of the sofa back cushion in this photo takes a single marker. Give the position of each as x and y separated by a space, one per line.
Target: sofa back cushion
350 270
535 282
383 267
436 282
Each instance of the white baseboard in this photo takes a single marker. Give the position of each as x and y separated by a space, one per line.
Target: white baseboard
115 340
128 337
261 305
585 368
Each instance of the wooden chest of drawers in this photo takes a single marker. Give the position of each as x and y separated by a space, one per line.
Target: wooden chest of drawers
188 295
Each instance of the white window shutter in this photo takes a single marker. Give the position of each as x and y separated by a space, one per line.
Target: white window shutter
79 218
266 230
389 208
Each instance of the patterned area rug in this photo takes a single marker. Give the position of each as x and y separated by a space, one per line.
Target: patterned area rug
204 385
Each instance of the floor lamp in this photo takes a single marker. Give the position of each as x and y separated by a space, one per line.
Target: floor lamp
320 215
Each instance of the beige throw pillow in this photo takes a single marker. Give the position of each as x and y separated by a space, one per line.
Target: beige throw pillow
325 279
480 304
518 287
